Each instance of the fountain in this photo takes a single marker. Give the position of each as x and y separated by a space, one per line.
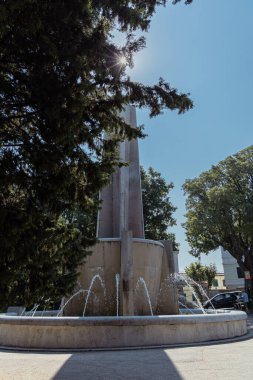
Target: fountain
127 296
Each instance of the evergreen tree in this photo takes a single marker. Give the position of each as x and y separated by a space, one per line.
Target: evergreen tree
63 85
157 208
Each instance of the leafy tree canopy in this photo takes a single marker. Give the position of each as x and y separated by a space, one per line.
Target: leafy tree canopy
63 85
200 273
210 273
220 209
195 271
157 208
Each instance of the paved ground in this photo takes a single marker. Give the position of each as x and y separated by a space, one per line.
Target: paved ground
205 362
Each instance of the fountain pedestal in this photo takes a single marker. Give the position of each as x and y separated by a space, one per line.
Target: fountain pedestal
123 250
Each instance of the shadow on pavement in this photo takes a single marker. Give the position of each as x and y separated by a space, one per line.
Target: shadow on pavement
116 365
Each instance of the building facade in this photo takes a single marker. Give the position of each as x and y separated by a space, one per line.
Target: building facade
234 277
219 282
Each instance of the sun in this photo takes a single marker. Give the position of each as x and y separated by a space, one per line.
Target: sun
122 60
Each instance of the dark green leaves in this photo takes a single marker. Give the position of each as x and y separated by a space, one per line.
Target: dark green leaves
62 89
220 208
157 208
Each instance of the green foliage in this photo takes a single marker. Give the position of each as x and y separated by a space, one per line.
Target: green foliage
62 88
220 209
201 273
157 208
195 271
38 257
210 273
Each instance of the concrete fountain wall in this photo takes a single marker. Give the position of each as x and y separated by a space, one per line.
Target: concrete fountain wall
112 332
149 263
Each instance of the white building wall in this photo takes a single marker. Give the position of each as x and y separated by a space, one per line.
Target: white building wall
230 271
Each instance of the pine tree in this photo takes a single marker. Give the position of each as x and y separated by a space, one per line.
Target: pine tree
63 85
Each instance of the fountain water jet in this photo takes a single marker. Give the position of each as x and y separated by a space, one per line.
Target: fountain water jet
142 282
117 280
188 282
97 276
69 300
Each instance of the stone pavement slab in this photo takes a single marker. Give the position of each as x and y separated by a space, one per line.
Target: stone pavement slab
222 361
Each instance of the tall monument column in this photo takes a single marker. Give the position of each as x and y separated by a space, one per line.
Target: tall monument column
121 199
122 212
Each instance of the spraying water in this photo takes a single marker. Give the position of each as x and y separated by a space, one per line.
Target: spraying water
177 278
183 305
142 282
97 276
34 309
202 291
66 303
117 280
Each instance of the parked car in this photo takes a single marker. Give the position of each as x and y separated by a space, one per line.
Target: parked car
226 300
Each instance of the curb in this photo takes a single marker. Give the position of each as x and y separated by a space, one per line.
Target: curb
245 337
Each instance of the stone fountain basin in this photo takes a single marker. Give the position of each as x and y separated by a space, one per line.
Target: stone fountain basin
118 332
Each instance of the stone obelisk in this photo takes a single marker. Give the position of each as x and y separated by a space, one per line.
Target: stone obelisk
121 200
121 215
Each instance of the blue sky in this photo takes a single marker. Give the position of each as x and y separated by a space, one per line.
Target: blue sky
205 49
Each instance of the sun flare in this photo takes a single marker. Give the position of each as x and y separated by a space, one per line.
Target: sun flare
122 60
